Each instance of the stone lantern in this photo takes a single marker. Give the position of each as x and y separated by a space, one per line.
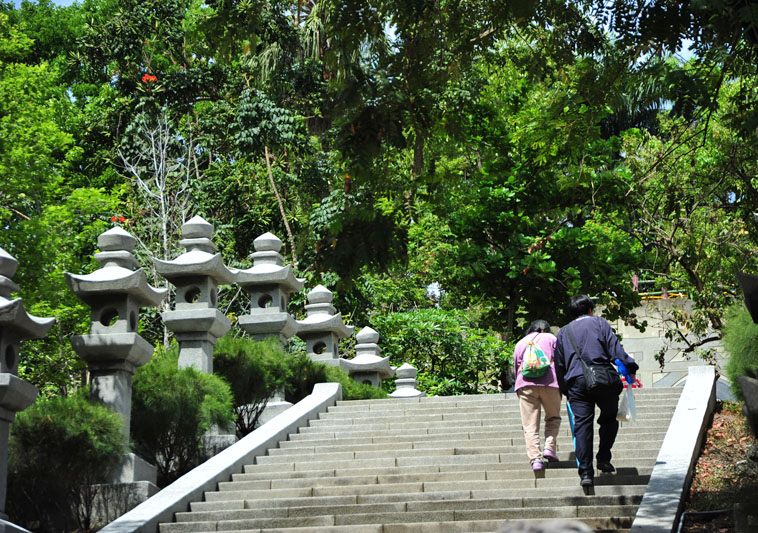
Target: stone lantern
269 283
16 325
195 320
113 349
406 383
367 366
323 327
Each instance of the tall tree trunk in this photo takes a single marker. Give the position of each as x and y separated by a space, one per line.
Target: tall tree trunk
290 237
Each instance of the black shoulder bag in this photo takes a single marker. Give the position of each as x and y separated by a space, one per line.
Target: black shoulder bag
598 377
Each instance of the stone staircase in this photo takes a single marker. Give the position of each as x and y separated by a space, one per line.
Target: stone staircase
445 464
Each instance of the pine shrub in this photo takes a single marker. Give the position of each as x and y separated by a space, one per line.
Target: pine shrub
59 448
741 342
172 409
254 370
305 373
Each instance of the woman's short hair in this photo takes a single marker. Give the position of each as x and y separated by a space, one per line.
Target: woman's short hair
579 305
538 325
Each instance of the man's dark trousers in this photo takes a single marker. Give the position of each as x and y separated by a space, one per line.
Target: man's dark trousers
583 405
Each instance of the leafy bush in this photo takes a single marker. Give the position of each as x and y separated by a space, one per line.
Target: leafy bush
172 409
451 354
254 370
59 448
305 373
351 389
741 341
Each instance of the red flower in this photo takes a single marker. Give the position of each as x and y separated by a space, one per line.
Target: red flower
113 218
149 78
121 219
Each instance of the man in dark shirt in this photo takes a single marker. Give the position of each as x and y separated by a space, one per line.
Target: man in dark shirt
597 343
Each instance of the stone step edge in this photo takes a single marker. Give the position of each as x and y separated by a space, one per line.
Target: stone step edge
440 496
471 526
509 503
428 477
567 463
500 396
619 513
432 486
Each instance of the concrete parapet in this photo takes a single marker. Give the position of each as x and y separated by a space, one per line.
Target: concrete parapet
661 505
176 497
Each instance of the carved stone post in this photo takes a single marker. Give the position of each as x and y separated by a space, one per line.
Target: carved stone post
406 383
367 366
323 327
16 325
113 349
195 320
269 282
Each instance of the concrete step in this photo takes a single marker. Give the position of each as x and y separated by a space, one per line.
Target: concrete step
428 465
243 482
434 486
622 514
258 472
455 440
406 454
240 512
419 440
509 410
453 401
446 461
571 491
599 525
394 428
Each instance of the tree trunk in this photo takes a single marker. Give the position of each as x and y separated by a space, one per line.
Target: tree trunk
290 237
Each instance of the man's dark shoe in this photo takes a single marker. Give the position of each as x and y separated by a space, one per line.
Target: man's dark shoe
605 468
586 481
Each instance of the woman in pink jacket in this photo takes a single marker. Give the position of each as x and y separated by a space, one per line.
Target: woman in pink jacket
538 393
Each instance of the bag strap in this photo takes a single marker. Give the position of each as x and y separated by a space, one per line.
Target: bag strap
533 341
573 342
576 349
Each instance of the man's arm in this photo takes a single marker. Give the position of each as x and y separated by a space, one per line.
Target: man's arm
560 364
616 351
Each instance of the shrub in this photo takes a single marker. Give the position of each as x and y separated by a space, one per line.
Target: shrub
451 354
172 409
305 373
59 448
254 370
741 341
351 389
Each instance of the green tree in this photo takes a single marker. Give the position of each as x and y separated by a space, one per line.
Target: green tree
172 409
255 371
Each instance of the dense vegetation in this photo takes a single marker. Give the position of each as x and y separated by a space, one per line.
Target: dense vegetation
449 169
420 158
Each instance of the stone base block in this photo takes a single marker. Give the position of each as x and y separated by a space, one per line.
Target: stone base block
134 469
115 499
271 410
213 444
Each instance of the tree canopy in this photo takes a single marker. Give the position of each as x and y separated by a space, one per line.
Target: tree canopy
490 158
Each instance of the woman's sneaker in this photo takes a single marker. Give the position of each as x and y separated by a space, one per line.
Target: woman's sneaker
537 465
549 456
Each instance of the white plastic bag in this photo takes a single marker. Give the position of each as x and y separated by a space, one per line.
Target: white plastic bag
627 410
